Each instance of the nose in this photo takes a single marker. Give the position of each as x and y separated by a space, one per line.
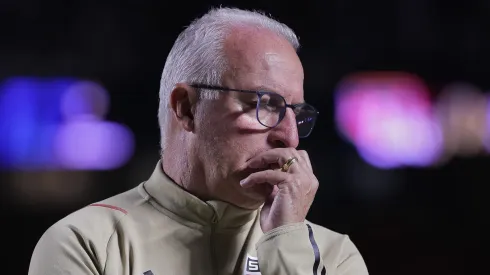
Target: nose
285 134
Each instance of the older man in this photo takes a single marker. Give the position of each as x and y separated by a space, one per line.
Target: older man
231 192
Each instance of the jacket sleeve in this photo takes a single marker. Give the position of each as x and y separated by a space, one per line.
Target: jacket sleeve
64 250
293 249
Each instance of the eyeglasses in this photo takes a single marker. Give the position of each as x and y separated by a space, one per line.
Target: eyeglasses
270 109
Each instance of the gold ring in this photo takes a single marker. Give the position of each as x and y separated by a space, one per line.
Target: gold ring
288 164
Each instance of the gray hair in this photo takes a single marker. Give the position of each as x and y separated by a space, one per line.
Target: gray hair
197 55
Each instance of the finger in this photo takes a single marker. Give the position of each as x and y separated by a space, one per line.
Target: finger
264 177
274 156
305 159
294 167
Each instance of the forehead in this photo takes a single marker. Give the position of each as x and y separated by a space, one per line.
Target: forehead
261 59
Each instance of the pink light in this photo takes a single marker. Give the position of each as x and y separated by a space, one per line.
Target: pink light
388 117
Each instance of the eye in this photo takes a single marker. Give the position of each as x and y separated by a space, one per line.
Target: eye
271 102
268 105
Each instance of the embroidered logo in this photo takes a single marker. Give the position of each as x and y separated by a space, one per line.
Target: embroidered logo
148 272
251 266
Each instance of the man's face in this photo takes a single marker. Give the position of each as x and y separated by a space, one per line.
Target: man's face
227 131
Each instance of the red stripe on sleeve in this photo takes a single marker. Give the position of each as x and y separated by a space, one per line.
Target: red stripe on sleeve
110 206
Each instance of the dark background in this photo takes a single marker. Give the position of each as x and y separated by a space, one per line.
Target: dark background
404 221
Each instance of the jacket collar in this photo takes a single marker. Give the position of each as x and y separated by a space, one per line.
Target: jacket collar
187 207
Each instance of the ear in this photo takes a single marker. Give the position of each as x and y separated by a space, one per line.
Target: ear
182 101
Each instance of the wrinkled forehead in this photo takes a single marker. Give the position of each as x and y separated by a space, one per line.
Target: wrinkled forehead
259 58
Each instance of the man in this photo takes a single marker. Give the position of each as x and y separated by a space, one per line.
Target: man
231 192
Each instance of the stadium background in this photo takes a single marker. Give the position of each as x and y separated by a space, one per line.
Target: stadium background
401 146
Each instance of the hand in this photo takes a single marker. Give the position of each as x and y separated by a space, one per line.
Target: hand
293 191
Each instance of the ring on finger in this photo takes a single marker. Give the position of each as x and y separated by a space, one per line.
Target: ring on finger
288 164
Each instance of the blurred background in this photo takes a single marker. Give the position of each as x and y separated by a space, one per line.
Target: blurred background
401 147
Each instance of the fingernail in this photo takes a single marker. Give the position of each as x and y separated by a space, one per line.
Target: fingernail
243 182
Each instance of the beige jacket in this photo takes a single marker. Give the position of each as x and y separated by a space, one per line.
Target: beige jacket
158 228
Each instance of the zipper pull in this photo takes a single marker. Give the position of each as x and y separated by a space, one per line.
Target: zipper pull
214 220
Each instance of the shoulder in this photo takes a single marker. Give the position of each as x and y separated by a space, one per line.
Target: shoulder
78 243
103 216
93 225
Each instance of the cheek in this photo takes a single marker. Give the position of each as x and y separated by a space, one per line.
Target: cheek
244 133
237 122
235 140
248 122
231 135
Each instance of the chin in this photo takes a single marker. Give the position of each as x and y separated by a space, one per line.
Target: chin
253 198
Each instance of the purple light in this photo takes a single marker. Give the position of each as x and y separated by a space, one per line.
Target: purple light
85 98
92 144
85 141
376 159
52 123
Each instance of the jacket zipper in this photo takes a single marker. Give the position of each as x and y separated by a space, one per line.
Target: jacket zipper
214 264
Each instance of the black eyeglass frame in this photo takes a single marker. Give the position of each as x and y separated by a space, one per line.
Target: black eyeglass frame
260 94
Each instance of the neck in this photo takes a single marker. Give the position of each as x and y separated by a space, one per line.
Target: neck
176 165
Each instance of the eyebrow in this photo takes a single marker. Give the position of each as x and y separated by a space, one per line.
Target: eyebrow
268 89
263 88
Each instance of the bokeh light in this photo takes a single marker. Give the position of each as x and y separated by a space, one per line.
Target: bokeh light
388 117
84 98
58 123
106 146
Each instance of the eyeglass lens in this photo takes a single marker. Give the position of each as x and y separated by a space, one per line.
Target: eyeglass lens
272 107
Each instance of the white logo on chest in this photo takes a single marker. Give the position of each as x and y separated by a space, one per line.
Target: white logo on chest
251 266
